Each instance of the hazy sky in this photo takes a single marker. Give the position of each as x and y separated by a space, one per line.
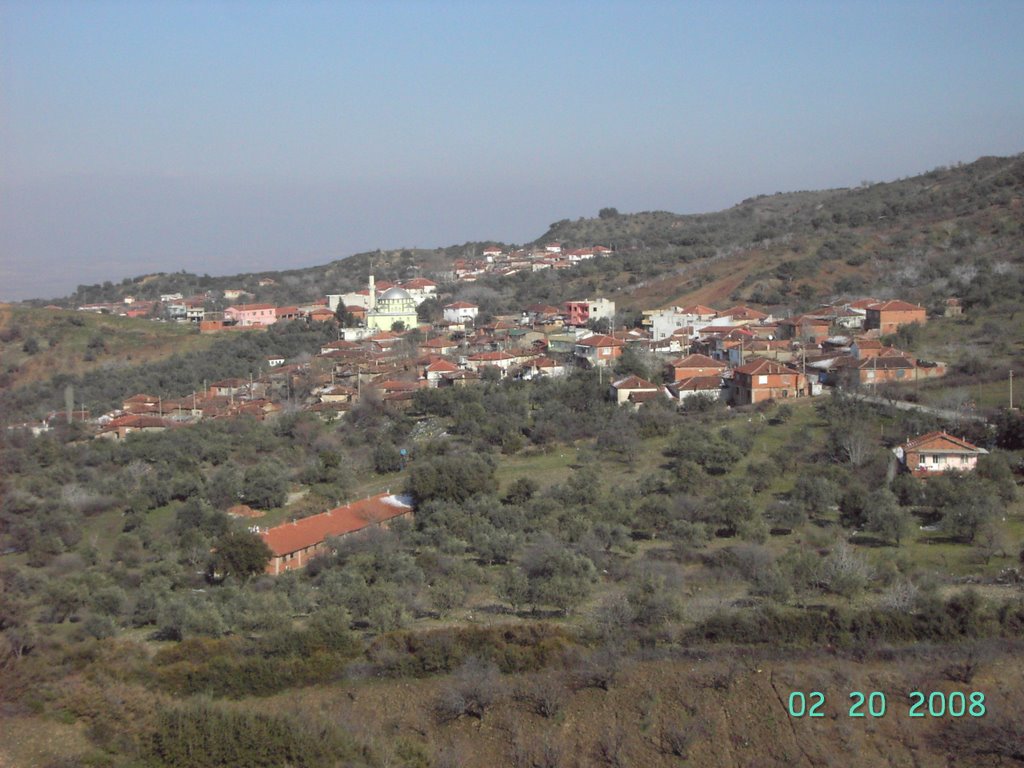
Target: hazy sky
227 136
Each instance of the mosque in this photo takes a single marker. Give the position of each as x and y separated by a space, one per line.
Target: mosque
395 305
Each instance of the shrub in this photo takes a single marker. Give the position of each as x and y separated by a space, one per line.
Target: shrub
204 735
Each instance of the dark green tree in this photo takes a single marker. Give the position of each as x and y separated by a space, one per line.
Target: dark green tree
264 486
238 553
887 518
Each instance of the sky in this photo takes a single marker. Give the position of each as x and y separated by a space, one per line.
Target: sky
223 137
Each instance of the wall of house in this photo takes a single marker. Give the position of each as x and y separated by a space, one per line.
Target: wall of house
938 462
748 390
890 320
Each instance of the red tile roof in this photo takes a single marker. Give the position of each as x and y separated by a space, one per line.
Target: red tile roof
743 313
863 303
699 309
698 383
418 282
250 307
762 367
697 361
490 357
896 305
600 340
442 366
301 534
634 382
546 362
141 398
941 442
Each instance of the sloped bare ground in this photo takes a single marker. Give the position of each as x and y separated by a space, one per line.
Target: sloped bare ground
726 712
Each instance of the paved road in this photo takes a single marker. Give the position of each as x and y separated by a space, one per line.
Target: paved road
944 413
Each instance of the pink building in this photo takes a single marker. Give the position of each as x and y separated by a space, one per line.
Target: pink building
937 452
251 314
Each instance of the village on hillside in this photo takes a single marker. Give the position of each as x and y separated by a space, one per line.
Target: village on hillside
384 354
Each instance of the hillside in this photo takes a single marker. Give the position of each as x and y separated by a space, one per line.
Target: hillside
720 708
38 344
582 582
949 231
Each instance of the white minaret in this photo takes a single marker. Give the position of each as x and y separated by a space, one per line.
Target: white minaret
373 294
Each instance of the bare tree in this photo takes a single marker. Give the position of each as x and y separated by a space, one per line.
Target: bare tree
545 693
473 689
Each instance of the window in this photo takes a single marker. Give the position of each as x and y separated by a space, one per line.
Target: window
762 379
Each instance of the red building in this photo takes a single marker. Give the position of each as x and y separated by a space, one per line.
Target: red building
890 315
761 380
293 544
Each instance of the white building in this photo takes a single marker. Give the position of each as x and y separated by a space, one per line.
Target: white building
460 312
665 322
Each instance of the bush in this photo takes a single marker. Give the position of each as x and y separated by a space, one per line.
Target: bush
203 735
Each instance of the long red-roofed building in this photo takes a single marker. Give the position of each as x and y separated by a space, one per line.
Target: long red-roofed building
294 544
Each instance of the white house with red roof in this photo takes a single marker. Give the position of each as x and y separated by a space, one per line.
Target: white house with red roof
544 366
709 387
627 389
497 359
419 288
936 452
438 369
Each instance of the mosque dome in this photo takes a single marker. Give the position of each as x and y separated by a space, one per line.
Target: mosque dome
394 294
